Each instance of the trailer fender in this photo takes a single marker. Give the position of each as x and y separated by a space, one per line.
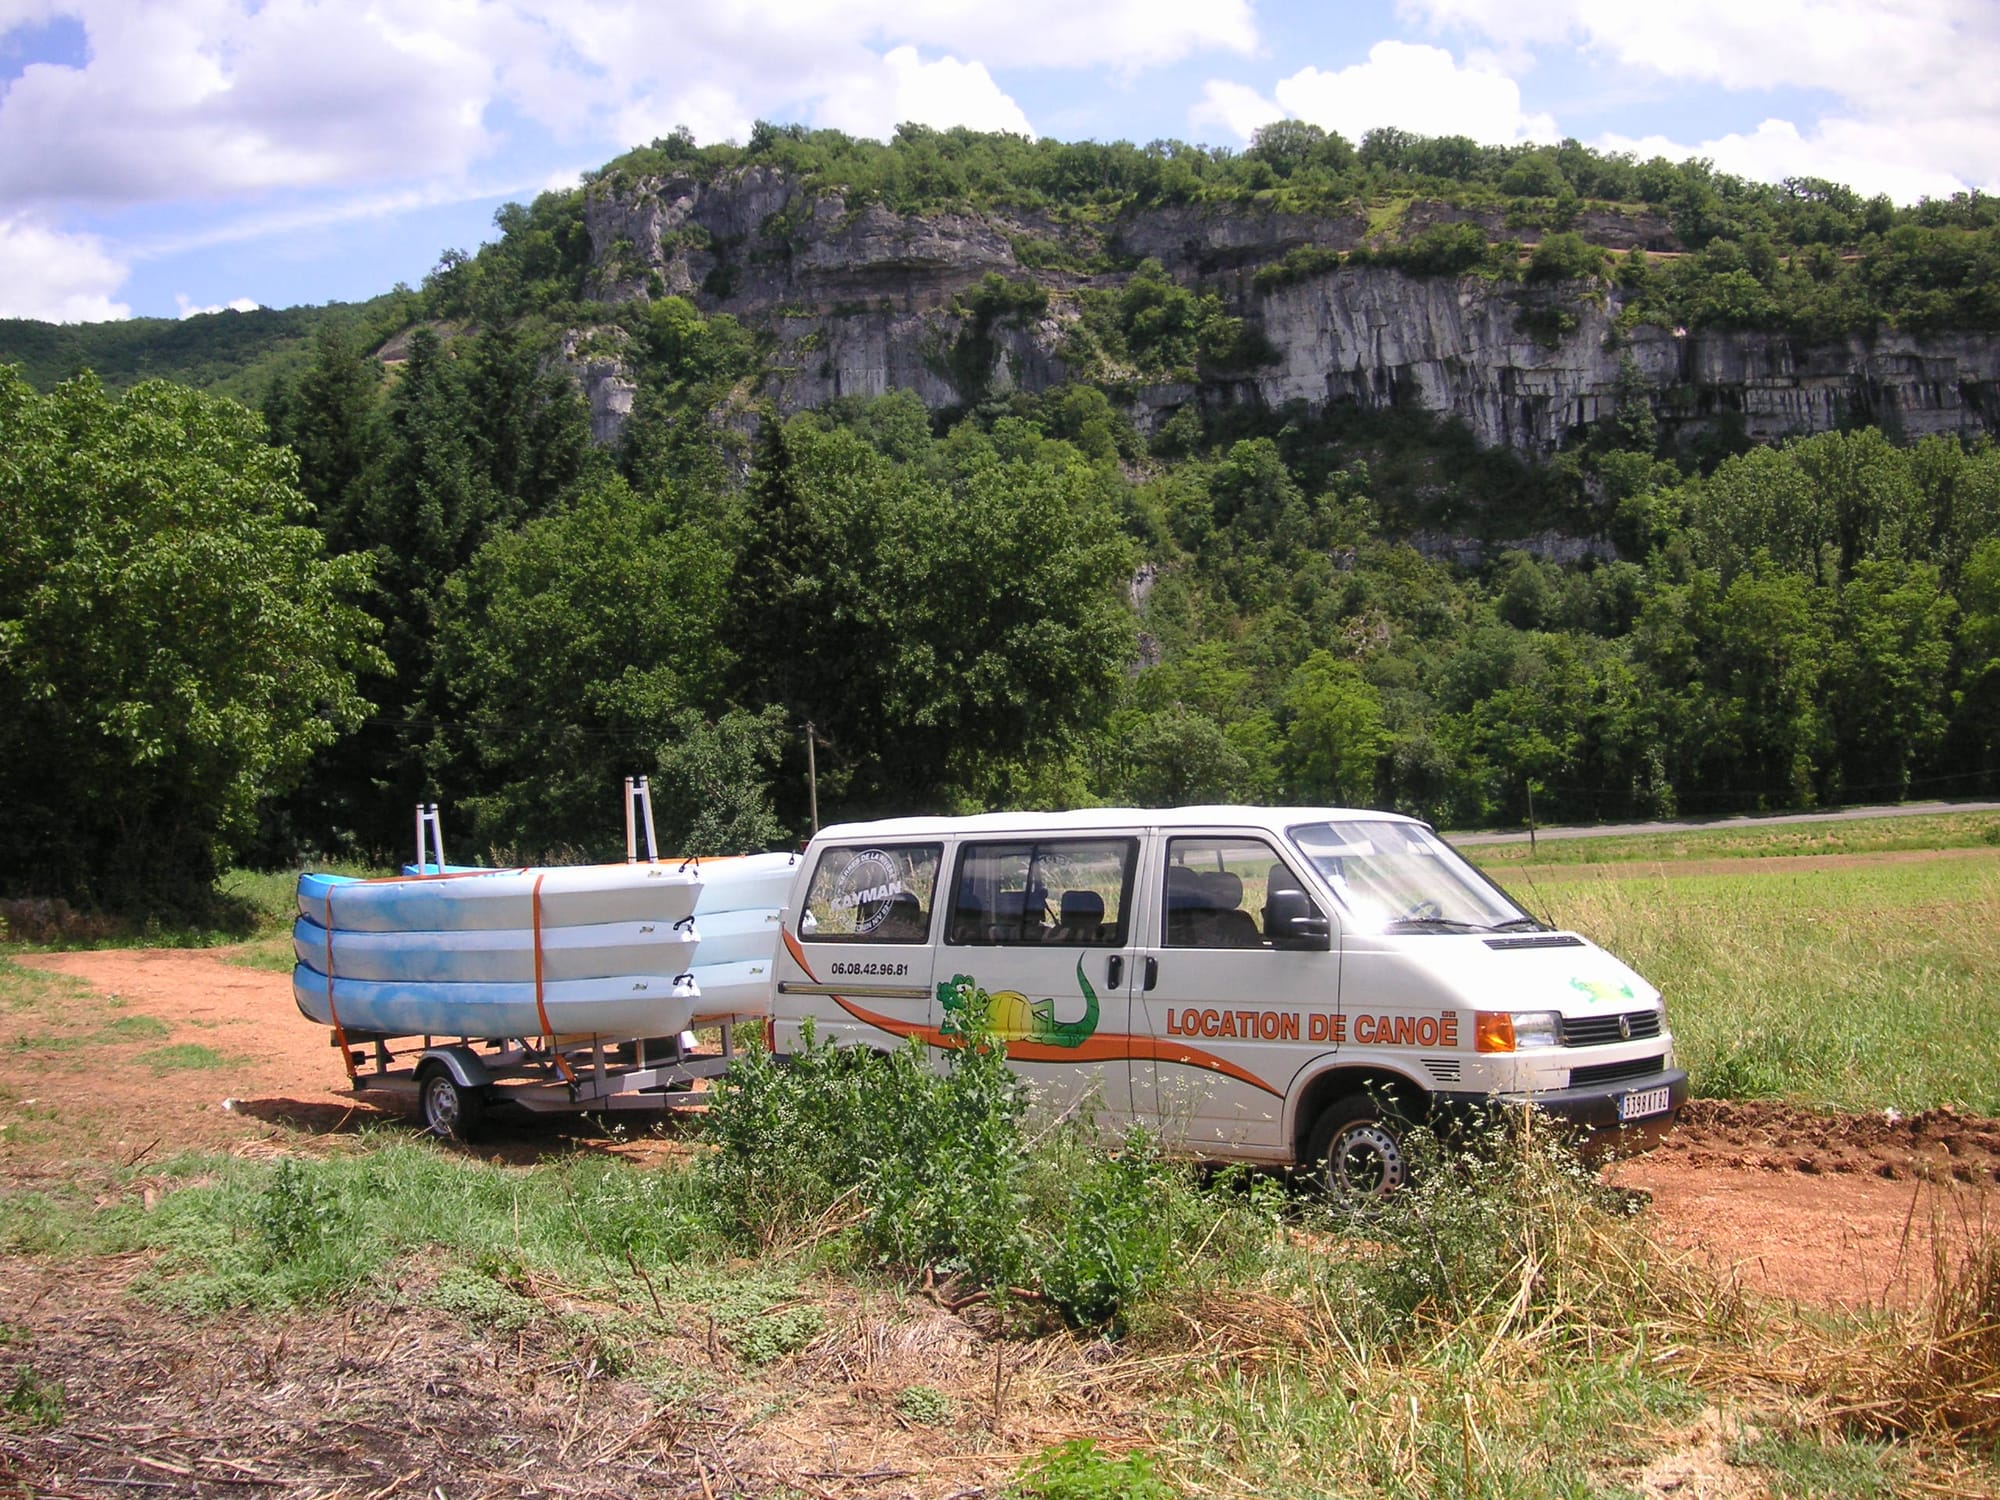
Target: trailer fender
462 1063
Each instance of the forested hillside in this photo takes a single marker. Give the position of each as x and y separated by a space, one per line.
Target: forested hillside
231 353
987 591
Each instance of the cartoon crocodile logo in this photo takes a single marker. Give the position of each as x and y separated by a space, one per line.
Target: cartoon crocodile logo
1011 1016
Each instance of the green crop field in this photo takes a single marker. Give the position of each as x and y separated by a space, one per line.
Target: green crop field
1839 984
1748 840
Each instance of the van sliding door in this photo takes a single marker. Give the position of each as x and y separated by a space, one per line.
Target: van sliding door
1038 940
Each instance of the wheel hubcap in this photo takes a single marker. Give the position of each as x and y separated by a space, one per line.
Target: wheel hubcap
1366 1161
441 1106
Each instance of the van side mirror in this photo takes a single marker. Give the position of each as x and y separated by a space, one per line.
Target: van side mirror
1292 923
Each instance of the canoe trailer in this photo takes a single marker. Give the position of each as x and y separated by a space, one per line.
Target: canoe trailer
450 1083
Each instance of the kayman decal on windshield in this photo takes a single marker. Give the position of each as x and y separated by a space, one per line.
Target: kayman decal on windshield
868 886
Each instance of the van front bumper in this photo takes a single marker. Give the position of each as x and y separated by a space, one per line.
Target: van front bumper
1597 1107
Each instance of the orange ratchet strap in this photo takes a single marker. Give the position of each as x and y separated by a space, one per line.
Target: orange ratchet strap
332 1010
541 1009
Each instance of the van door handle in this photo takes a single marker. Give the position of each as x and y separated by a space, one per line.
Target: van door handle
1152 973
1114 970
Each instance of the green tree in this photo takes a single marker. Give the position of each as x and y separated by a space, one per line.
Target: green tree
530 425
329 421
1765 662
1176 756
1333 736
579 650
926 625
1975 704
426 507
1886 678
174 645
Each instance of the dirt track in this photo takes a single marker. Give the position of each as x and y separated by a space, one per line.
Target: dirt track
1832 1209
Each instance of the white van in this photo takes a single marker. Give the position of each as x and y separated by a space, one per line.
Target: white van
1285 985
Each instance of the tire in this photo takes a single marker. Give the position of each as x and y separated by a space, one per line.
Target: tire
446 1108
1356 1148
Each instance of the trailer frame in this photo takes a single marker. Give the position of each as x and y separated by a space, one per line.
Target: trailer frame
450 1083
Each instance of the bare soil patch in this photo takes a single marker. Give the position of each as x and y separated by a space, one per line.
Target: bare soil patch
279 1086
1845 1210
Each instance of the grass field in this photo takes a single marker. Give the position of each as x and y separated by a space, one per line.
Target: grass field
1750 841
1844 985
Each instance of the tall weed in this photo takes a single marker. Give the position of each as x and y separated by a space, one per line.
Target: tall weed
935 1171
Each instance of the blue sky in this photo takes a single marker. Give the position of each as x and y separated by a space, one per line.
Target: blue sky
159 157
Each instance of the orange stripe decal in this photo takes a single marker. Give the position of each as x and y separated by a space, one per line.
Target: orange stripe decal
1103 1047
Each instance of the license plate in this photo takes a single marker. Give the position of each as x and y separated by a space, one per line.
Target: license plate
1643 1102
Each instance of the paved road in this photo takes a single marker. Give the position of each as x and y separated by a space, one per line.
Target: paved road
1842 815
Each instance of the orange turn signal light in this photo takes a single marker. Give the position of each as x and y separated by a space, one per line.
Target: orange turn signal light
1493 1031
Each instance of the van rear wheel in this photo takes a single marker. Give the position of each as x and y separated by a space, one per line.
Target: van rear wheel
1356 1148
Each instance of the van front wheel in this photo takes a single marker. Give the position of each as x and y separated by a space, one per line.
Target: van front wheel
1356 1148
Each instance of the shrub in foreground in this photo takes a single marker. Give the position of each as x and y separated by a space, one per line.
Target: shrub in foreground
938 1173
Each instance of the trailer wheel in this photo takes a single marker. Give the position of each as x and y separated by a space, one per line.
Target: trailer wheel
1356 1148
447 1108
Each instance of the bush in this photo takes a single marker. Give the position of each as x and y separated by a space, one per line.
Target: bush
1080 1470
939 1175
1565 257
1500 1208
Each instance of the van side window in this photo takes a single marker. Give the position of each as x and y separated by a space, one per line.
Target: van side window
873 893
1217 891
1053 892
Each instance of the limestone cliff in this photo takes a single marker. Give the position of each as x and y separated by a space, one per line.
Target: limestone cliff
860 301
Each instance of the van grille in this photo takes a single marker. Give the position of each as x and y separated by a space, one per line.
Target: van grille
1633 1067
1550 940
1604 1031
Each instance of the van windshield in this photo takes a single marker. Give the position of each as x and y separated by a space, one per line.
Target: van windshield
1401 877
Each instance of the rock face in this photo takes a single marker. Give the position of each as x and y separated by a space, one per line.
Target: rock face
861 301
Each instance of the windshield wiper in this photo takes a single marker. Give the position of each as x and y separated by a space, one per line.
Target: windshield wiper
1434 924
1459 924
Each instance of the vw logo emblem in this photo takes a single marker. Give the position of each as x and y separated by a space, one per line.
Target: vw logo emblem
1625 1027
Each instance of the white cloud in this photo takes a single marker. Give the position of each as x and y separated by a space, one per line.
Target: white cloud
216 98
235 304
204 97
1856 48
1910 104
906 88
1415 87
325 212
57 277
1840 151
1236 107
1120 34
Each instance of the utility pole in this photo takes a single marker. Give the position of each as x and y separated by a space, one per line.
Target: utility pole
1531 817
812 776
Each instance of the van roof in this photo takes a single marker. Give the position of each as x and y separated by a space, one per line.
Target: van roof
1096 819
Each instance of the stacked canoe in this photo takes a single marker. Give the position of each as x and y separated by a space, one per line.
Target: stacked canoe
632 950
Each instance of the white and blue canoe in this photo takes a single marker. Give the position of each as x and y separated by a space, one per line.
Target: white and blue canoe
604 950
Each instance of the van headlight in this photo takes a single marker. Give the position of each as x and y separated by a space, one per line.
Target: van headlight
1512 1030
